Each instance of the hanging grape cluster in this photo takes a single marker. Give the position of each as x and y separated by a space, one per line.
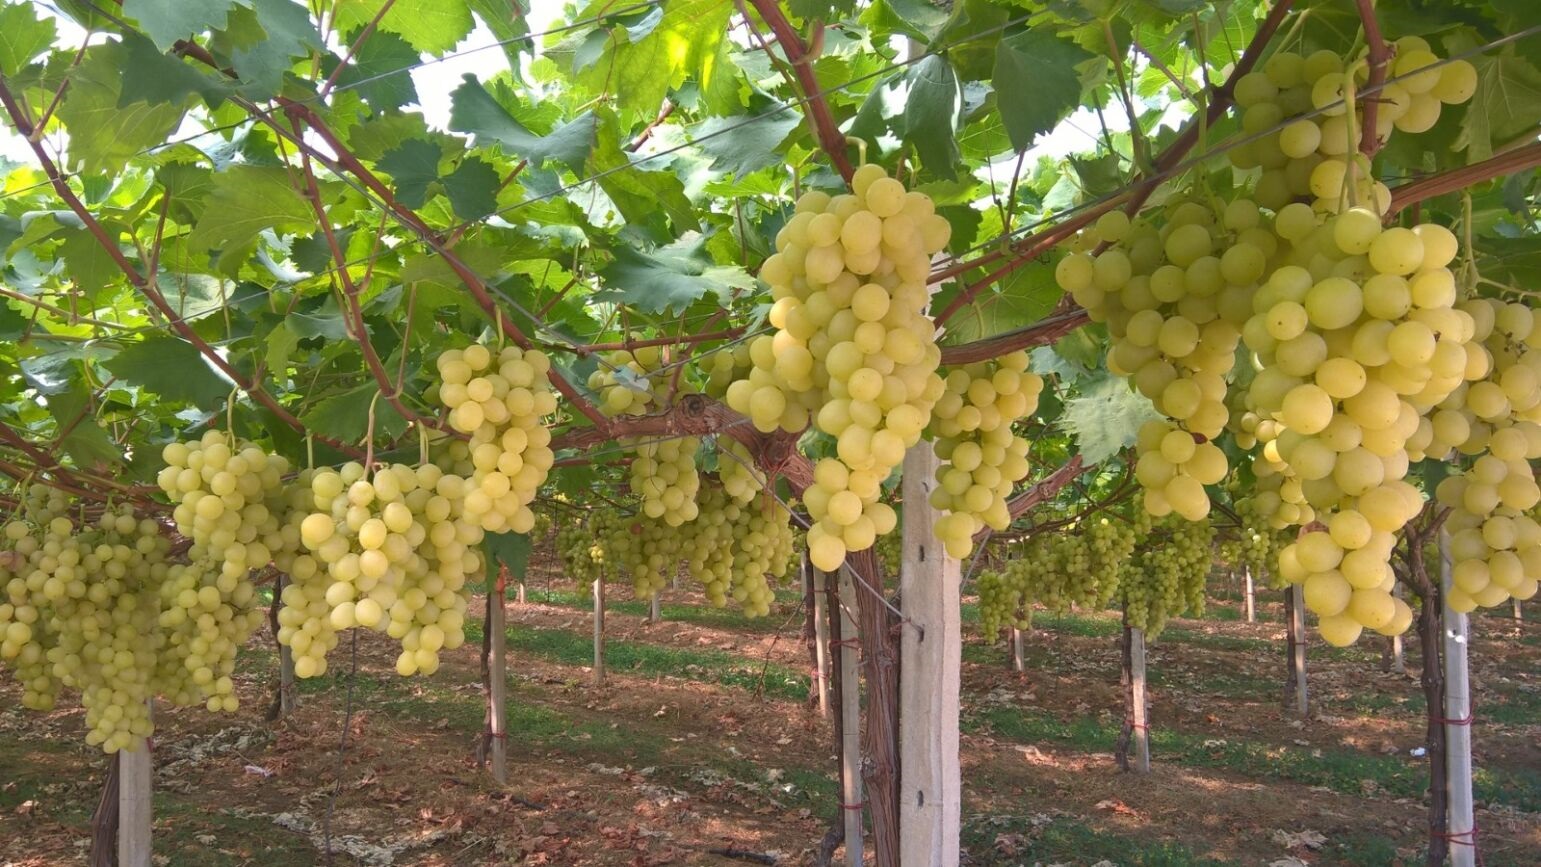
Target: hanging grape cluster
501 400
664 473
982 457
853 351
1079 566
99 606
1165 578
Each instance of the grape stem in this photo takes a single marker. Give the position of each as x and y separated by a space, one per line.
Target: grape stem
1380 56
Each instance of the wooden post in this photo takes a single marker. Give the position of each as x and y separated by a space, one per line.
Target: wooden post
654 614
497 679
1461 821
1295 690
1249 595
1018 660
136 780
820 633
1516 608
599 630
930 663
521 592
850 723
1136 731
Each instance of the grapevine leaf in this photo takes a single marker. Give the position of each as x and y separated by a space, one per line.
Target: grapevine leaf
82 439
506 20
12 323
172 368
262 42
1507 102
740 146
1036 83
346 416
380 72
90 265
472 189
642 197
166 21
932 114
1024 297
474 111
507 549
23 36
669 278
1106 417
820 9
281 343
162 78
414 165
103 135
245 200
640 64
429 26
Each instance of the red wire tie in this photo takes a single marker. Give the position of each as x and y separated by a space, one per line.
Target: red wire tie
1464 721
853 643
502 736
856 806
1134 725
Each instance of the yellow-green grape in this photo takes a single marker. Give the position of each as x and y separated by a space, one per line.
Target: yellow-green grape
585 544
399 550
982 458
664 472
1174 291
853 351
1081 566
226 493
1166 577
1306 158
501 399
737 471
206 616
1257 543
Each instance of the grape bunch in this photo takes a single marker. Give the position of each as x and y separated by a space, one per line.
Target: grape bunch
227 496
853 351
585 544
98 605
982 458
664 473
1174 291
501 401
397 549
1166 577
1082 567
1319 156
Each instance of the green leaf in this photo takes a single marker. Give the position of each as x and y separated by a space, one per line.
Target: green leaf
380 72
472 188
12 323
261 43
346 417
932 114
1106 417
741 146
474 111
166 21
281 343
244 201
1507 103
23 36
506 20
919 18
414 166
172 368
430 26
820 9
90 265
104 135
507 549
640 67
1036 83
669 278
86 443
1025 296
162 78
643 198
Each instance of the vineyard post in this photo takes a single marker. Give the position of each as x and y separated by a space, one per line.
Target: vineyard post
599 629
1138 710
850 722
820 634
930 660
1018 660
521 593
1295 689
1515 603
654 614
136 780
1249 597
104 819
497 678
1461 827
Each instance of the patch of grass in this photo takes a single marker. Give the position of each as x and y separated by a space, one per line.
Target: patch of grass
1069 841
702 666
717 618
1339 770
237 841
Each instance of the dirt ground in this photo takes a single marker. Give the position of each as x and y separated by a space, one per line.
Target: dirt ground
701 748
